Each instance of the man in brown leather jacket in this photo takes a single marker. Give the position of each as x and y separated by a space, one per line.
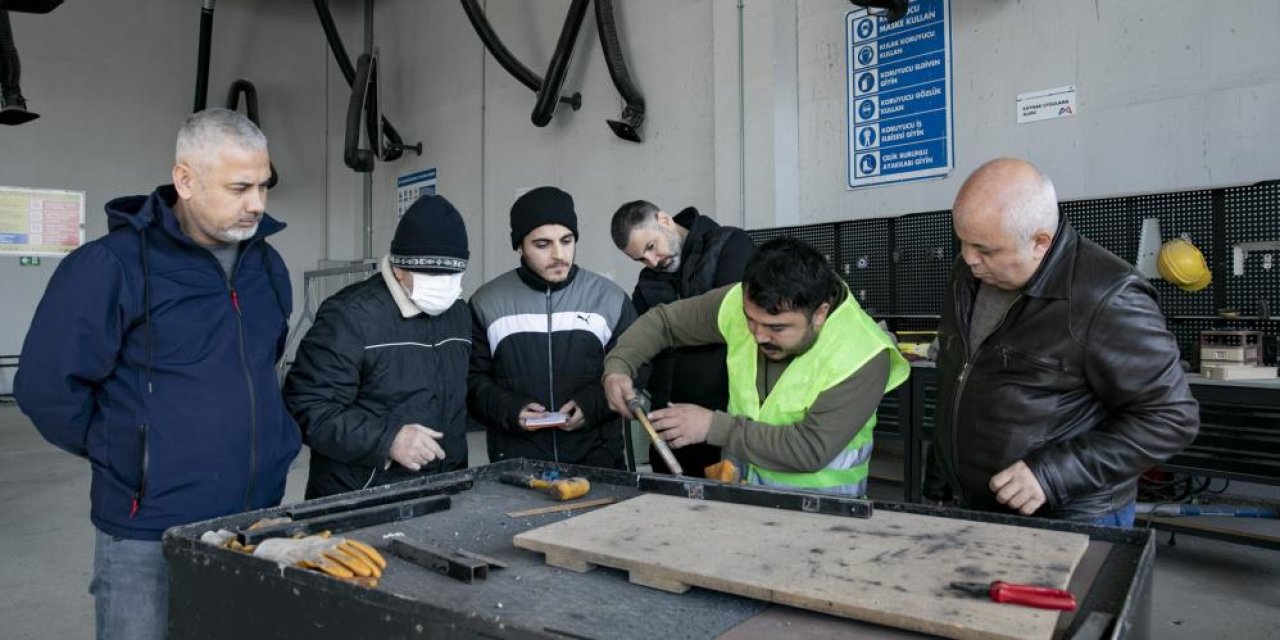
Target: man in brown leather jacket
1058 383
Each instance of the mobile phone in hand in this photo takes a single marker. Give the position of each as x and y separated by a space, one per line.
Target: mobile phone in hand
549 421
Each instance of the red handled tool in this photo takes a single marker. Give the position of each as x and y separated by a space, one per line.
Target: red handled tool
1024 594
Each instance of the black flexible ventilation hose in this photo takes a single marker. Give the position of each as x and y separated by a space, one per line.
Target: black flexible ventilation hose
250 92
29 6
335 41
892 10
362 103
10 65
202 56
550 89
395 146
504 56
628 127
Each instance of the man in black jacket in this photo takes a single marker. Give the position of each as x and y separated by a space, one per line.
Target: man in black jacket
1058 381
540 334
379 383
683 256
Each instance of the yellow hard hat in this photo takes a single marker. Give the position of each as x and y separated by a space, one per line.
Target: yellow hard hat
1181 263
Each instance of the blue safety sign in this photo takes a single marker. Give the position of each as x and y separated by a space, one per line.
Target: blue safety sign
867 109
899 95
866 55
867 136
866 28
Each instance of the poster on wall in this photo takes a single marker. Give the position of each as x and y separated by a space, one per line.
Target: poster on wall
1049 104
40 222
899 95
410 186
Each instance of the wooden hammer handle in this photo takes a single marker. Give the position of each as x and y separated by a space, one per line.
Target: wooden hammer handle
659 443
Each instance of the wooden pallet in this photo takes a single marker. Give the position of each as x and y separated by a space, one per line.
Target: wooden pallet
891 569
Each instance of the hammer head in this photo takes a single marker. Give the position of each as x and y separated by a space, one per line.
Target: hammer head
640 403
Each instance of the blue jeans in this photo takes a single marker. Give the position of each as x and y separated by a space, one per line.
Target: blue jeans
1122 517
130 589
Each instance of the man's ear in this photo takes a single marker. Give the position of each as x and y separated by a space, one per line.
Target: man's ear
820 315
1040 243
184 181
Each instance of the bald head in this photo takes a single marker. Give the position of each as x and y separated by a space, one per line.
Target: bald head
1013 191
1005 215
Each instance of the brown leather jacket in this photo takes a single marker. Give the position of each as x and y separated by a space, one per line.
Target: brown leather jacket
1080 380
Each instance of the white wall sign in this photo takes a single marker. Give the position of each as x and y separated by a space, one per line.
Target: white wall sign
899 95
36 222
1047 105
411 186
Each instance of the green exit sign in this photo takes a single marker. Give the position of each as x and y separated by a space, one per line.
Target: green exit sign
29 261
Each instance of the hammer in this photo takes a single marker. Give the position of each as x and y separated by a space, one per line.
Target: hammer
639 407
562 489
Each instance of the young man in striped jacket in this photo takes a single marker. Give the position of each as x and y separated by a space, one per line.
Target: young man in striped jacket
540 335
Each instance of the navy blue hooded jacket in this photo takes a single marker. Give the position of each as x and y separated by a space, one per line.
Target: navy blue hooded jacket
143 358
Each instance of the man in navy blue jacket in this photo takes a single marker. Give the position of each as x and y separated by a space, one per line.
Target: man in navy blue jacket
152 355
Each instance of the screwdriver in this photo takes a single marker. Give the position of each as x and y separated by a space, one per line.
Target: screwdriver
1024 594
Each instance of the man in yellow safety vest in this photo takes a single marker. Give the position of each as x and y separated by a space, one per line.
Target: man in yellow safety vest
807 370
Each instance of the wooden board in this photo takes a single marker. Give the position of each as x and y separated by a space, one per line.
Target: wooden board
891 569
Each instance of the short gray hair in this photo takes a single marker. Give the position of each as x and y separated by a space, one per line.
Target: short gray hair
628 217
203 131
1034 209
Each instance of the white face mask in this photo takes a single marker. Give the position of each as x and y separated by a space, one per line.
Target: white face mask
434 294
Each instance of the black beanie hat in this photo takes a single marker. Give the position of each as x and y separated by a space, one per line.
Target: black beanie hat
544 205
431 238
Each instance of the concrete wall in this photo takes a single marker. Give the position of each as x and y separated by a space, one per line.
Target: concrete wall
113 81
474 119
1171 96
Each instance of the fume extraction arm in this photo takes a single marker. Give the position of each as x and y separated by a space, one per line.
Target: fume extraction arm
240 87
13 106
627 126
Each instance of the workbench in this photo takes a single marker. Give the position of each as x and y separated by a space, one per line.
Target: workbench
220 593
1239 439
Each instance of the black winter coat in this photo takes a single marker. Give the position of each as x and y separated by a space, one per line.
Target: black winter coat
712 256
363 371
1081 381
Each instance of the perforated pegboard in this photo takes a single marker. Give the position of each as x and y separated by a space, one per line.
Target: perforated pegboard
820 236
1181 214
1253 215
865 263
914 324
1106 221
925 248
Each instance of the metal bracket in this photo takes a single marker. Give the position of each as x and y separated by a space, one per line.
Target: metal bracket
759 496
809 504
466 568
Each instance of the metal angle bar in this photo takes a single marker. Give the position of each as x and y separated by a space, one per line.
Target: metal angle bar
348 520
455 566
757 496
399 494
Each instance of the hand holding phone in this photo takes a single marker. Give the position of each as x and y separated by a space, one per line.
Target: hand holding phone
545 421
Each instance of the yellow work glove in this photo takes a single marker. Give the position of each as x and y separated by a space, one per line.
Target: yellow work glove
339 557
